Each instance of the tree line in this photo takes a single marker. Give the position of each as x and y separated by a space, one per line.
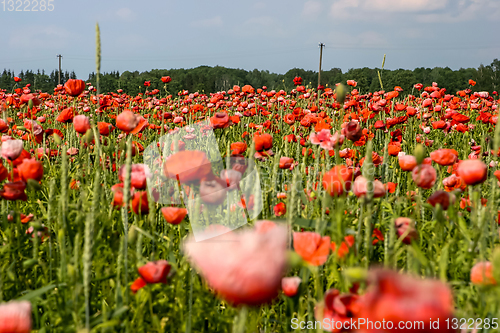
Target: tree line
211 79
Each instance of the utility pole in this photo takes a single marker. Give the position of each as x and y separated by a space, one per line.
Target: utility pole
321 45
59 56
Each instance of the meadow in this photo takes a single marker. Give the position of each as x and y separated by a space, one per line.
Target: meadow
249 210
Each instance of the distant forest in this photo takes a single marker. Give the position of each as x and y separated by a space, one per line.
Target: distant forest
212 79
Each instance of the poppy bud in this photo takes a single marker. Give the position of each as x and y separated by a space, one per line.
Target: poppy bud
57 139
132 235
355 274
34 185
29 263
419 153
88 137
341 91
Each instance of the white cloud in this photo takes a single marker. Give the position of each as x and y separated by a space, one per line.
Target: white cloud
208 23
311 9
125 14
465 10
362 9
396 6
444 11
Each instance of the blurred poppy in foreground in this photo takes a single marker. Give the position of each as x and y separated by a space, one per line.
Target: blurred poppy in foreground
244 267
15 317
403 298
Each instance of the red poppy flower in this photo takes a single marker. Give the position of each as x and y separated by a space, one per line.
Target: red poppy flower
337 180
30 169
336 311
66 115
139 174
127 121
74 87
280 209
353 131
344 247
155 272
263 142
166 79
406 226
140 203
404 298
440 197
188 166
104 128
290 285
81 124
15 317
4 173
238 148
220 120
377 235
174 215
482 274
424 176
137 284
285 162
313 248
472 172
244 267
445 156
360 187
14 191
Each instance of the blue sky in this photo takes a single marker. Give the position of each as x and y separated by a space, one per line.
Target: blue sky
272 35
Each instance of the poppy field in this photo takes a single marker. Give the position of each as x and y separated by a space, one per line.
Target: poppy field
249 210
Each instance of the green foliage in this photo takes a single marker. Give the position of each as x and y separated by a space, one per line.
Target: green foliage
211 79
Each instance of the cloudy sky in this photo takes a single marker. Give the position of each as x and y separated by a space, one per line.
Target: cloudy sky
274 35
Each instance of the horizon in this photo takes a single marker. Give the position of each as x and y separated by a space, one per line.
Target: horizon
248 70
274 36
